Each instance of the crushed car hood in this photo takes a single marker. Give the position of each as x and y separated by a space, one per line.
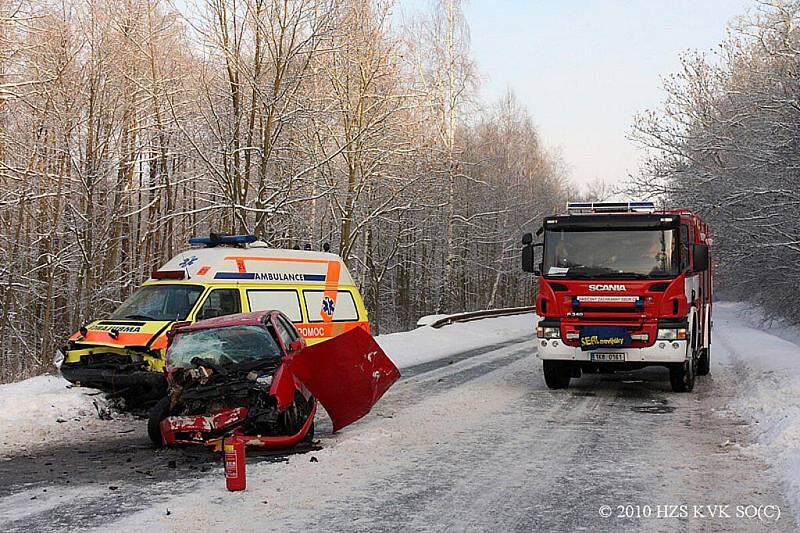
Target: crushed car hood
347 374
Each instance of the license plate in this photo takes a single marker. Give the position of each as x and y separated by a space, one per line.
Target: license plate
608 357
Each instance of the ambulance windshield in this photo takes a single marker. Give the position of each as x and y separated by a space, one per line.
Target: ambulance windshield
611 254
159 302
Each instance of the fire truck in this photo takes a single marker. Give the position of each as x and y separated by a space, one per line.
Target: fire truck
622 286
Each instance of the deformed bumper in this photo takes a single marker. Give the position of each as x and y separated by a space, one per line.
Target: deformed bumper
210 430
146 385
659 353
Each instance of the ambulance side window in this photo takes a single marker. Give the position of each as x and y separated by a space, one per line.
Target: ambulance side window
286 301
220 302
343 310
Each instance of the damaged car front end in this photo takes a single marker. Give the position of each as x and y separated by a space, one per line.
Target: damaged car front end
124 354
113 361
245 376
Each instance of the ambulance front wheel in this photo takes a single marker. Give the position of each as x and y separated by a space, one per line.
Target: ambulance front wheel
159 412
557 374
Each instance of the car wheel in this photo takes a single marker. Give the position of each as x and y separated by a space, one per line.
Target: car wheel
159 412
556 374
308 439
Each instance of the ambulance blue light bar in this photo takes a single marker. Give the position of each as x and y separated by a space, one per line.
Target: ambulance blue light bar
216 240
575 208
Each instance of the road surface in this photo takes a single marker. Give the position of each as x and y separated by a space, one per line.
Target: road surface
474 442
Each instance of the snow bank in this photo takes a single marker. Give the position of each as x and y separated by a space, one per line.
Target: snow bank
767 381
425 343
40 408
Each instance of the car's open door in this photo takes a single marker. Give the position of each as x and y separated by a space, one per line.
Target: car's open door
347 374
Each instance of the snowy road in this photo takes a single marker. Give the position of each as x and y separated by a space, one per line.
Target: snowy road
474 441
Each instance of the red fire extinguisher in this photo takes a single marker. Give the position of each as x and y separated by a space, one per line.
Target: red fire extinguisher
234 464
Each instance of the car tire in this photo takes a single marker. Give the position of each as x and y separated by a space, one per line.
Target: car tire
157 413
308 438
557 374
681 375
704 362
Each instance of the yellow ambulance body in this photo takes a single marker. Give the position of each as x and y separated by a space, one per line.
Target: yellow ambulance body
124 353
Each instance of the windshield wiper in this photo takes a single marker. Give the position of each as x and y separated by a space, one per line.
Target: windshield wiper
626 275
139 317
257 364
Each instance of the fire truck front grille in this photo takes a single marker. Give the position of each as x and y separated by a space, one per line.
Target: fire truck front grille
611 310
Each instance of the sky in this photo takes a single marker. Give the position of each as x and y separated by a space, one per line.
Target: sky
585 68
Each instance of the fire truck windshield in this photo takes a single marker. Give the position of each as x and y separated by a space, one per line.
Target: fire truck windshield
610 254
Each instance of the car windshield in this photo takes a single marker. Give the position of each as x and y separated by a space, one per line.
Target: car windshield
159 302
609 254
223 346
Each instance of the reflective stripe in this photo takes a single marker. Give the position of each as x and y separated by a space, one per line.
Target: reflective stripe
331 289
327 330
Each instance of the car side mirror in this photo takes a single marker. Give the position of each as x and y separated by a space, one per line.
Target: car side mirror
295 345
527 239
700 257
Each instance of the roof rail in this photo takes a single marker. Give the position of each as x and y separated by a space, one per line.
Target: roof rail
576 208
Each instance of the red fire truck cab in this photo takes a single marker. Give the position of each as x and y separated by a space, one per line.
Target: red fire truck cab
622 286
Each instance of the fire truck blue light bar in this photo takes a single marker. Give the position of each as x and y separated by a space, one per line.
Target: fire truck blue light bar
610 207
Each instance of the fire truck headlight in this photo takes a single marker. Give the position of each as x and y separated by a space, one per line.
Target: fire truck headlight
58 358
548 333
672 334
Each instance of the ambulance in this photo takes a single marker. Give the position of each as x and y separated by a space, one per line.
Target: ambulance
123 354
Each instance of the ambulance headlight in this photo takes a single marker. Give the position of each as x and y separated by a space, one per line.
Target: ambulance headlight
672 334
58 358
548 332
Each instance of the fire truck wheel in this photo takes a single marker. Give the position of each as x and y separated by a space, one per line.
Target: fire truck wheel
556 374
681 375
704 362
159 412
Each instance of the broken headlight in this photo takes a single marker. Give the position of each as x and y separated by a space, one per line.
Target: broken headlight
58 358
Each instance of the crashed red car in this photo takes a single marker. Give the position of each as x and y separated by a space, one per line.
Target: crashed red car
252 376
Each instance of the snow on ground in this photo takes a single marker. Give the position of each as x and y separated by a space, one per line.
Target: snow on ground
41 408
767 373
761 361
350 462
425 343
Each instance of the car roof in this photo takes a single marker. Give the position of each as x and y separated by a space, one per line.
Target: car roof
240 319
